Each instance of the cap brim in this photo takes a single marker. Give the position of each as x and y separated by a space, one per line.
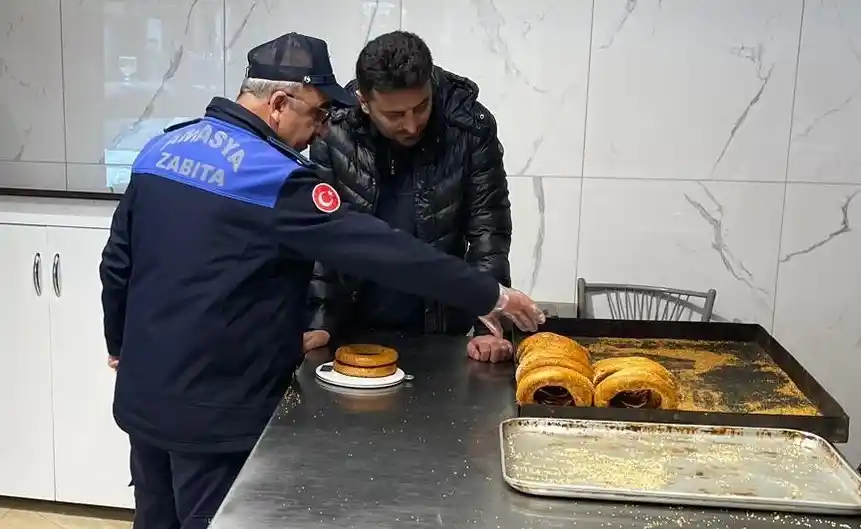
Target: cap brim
338 95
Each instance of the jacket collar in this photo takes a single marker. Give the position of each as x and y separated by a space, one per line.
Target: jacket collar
232 112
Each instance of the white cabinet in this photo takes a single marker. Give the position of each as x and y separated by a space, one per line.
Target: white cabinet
26 426
58 438
91 453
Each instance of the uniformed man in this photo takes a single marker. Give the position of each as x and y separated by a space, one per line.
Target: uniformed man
207 268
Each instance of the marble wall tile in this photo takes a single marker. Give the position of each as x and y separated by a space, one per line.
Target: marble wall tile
132 68
346 25
827 118
531 62
31 82
33 175
98 178
690 235
817 309
698 89
545 214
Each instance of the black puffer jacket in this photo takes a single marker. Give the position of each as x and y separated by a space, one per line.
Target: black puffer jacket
461 201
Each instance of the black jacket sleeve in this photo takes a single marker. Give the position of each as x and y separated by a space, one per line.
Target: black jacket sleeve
488 209
367 248
115 271
325 296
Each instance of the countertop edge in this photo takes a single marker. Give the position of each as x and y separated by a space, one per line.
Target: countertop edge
56 211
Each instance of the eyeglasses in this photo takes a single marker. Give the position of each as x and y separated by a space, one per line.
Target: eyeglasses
320 114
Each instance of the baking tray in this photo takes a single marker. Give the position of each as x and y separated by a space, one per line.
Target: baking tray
706 466
754 381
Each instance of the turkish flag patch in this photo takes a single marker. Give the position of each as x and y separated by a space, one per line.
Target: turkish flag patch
325 198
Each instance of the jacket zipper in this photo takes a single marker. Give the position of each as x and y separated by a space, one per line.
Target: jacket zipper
377 185
430 307
355 291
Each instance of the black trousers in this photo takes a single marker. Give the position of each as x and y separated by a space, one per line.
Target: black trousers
179 490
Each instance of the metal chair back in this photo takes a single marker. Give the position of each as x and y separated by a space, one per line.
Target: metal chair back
639 302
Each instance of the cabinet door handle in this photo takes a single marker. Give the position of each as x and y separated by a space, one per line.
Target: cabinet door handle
37 273
55 274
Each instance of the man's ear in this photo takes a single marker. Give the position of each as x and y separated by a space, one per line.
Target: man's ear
277 106
278 100
363 104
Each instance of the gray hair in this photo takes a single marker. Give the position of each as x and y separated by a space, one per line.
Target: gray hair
263 88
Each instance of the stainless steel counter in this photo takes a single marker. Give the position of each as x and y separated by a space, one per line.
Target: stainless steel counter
424 454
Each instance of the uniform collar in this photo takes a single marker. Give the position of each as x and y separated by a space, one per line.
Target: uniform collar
223 109
232 112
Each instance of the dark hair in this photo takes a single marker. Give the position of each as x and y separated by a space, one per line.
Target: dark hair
394 61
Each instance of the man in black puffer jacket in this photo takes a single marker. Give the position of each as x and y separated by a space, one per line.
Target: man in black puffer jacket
421 153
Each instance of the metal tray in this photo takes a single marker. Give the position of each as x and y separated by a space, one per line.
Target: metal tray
750 380
706 466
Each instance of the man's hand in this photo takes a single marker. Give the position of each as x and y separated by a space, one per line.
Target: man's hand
516 306
489 349
314 340
113 362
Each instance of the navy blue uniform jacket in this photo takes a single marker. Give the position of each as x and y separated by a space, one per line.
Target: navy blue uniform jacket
206 272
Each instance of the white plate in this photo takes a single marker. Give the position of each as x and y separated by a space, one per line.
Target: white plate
327 374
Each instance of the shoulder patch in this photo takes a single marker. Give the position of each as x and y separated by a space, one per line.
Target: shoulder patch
325 198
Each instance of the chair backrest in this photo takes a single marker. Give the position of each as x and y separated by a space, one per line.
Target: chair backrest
638 302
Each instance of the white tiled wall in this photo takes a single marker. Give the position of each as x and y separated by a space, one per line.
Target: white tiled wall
690 143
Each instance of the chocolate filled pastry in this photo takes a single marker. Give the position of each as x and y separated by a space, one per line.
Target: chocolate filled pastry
555 385
634 382
366 361
604 368
545 341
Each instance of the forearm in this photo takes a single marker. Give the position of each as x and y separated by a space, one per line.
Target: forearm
114 334
496 265
367 248
115 273
114 294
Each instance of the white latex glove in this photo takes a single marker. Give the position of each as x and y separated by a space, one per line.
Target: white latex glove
489 349
517 307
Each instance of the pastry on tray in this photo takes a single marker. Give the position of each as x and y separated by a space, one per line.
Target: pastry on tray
634 382
553 369
552 358
555 385
366 361
543 341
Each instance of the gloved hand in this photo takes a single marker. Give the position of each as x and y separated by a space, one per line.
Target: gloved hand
314 340
489 349
517 307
